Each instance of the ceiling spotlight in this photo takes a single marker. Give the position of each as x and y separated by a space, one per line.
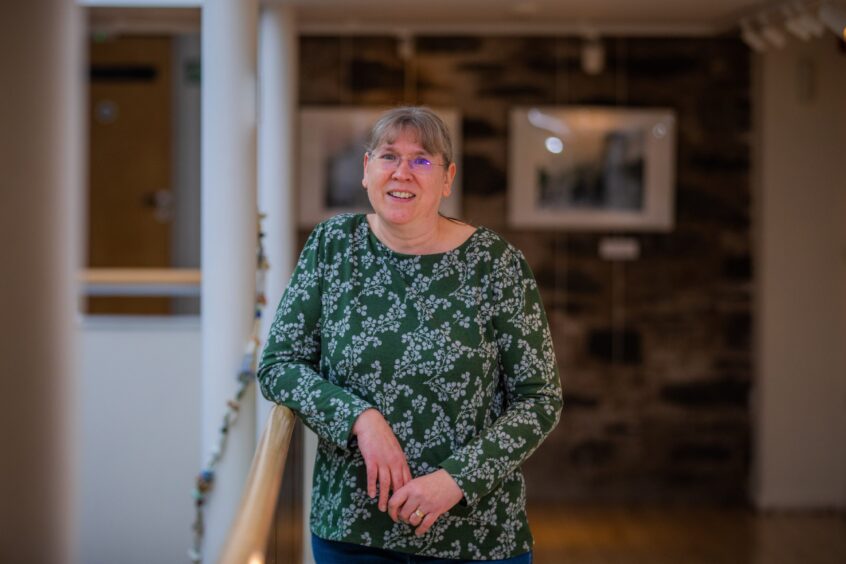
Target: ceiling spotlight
772 34
752 39
793 23
835 18
812 24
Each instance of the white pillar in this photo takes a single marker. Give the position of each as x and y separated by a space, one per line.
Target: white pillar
278 72
800 264
276 149
41 159
228 244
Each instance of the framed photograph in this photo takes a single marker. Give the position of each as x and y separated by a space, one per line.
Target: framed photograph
332 142
592 168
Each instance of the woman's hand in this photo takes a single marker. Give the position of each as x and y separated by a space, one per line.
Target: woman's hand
422 500
383 456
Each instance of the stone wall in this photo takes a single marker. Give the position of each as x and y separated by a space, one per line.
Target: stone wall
655 354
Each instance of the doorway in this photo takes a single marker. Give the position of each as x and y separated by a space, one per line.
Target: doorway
130 203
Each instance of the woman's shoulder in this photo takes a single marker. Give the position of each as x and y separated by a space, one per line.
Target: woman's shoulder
340 228
496 245
345 222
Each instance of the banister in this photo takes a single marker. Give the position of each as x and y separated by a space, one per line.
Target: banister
248 536
141 281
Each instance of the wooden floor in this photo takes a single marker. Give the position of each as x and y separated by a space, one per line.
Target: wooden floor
591 535
579 535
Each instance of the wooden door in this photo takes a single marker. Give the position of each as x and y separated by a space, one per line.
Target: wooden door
130 162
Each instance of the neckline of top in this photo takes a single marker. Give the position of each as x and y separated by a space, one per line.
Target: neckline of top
386 248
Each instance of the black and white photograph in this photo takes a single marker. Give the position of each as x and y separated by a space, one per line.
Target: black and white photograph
592 168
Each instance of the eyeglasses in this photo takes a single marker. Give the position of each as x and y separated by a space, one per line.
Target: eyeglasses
391 162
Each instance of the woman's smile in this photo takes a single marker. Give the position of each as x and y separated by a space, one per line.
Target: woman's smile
401 195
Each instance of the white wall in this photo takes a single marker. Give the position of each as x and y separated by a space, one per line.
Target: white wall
140 439
185 244
185 185
800 99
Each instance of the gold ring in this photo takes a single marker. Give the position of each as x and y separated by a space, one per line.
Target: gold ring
419 513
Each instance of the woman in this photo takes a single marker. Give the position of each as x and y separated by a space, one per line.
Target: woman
417 348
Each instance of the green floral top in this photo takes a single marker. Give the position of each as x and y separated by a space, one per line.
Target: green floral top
452 348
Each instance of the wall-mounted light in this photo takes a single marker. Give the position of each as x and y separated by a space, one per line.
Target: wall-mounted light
405 45
593 55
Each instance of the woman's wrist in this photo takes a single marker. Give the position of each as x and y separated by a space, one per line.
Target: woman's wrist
451 484
364 418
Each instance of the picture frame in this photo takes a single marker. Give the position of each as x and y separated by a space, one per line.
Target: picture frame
331 155
592 168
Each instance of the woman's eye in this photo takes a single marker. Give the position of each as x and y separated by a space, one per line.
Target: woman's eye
420 161
388 157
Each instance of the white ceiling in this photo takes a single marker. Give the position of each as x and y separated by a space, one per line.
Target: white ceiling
661 17
558 17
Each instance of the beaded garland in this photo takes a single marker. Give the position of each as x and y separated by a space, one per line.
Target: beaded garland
246 375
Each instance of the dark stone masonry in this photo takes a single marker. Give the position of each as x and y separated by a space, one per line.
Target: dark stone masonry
655 354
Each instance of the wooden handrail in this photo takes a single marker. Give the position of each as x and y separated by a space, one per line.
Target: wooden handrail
247 540
141 281
188 276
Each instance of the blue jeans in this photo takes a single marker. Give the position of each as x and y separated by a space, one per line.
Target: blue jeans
334 552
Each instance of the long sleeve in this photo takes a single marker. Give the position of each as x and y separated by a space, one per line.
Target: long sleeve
453 349
532 388
289 372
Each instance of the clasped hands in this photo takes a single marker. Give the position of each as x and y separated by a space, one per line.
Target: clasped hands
416 501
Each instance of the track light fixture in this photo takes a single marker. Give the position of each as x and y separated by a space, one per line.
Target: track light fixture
811 23
794 23
802 19
772 33
751 37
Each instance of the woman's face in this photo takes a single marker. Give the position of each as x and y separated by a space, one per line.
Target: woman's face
400 187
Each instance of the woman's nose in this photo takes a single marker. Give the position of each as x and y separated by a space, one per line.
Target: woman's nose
403 169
